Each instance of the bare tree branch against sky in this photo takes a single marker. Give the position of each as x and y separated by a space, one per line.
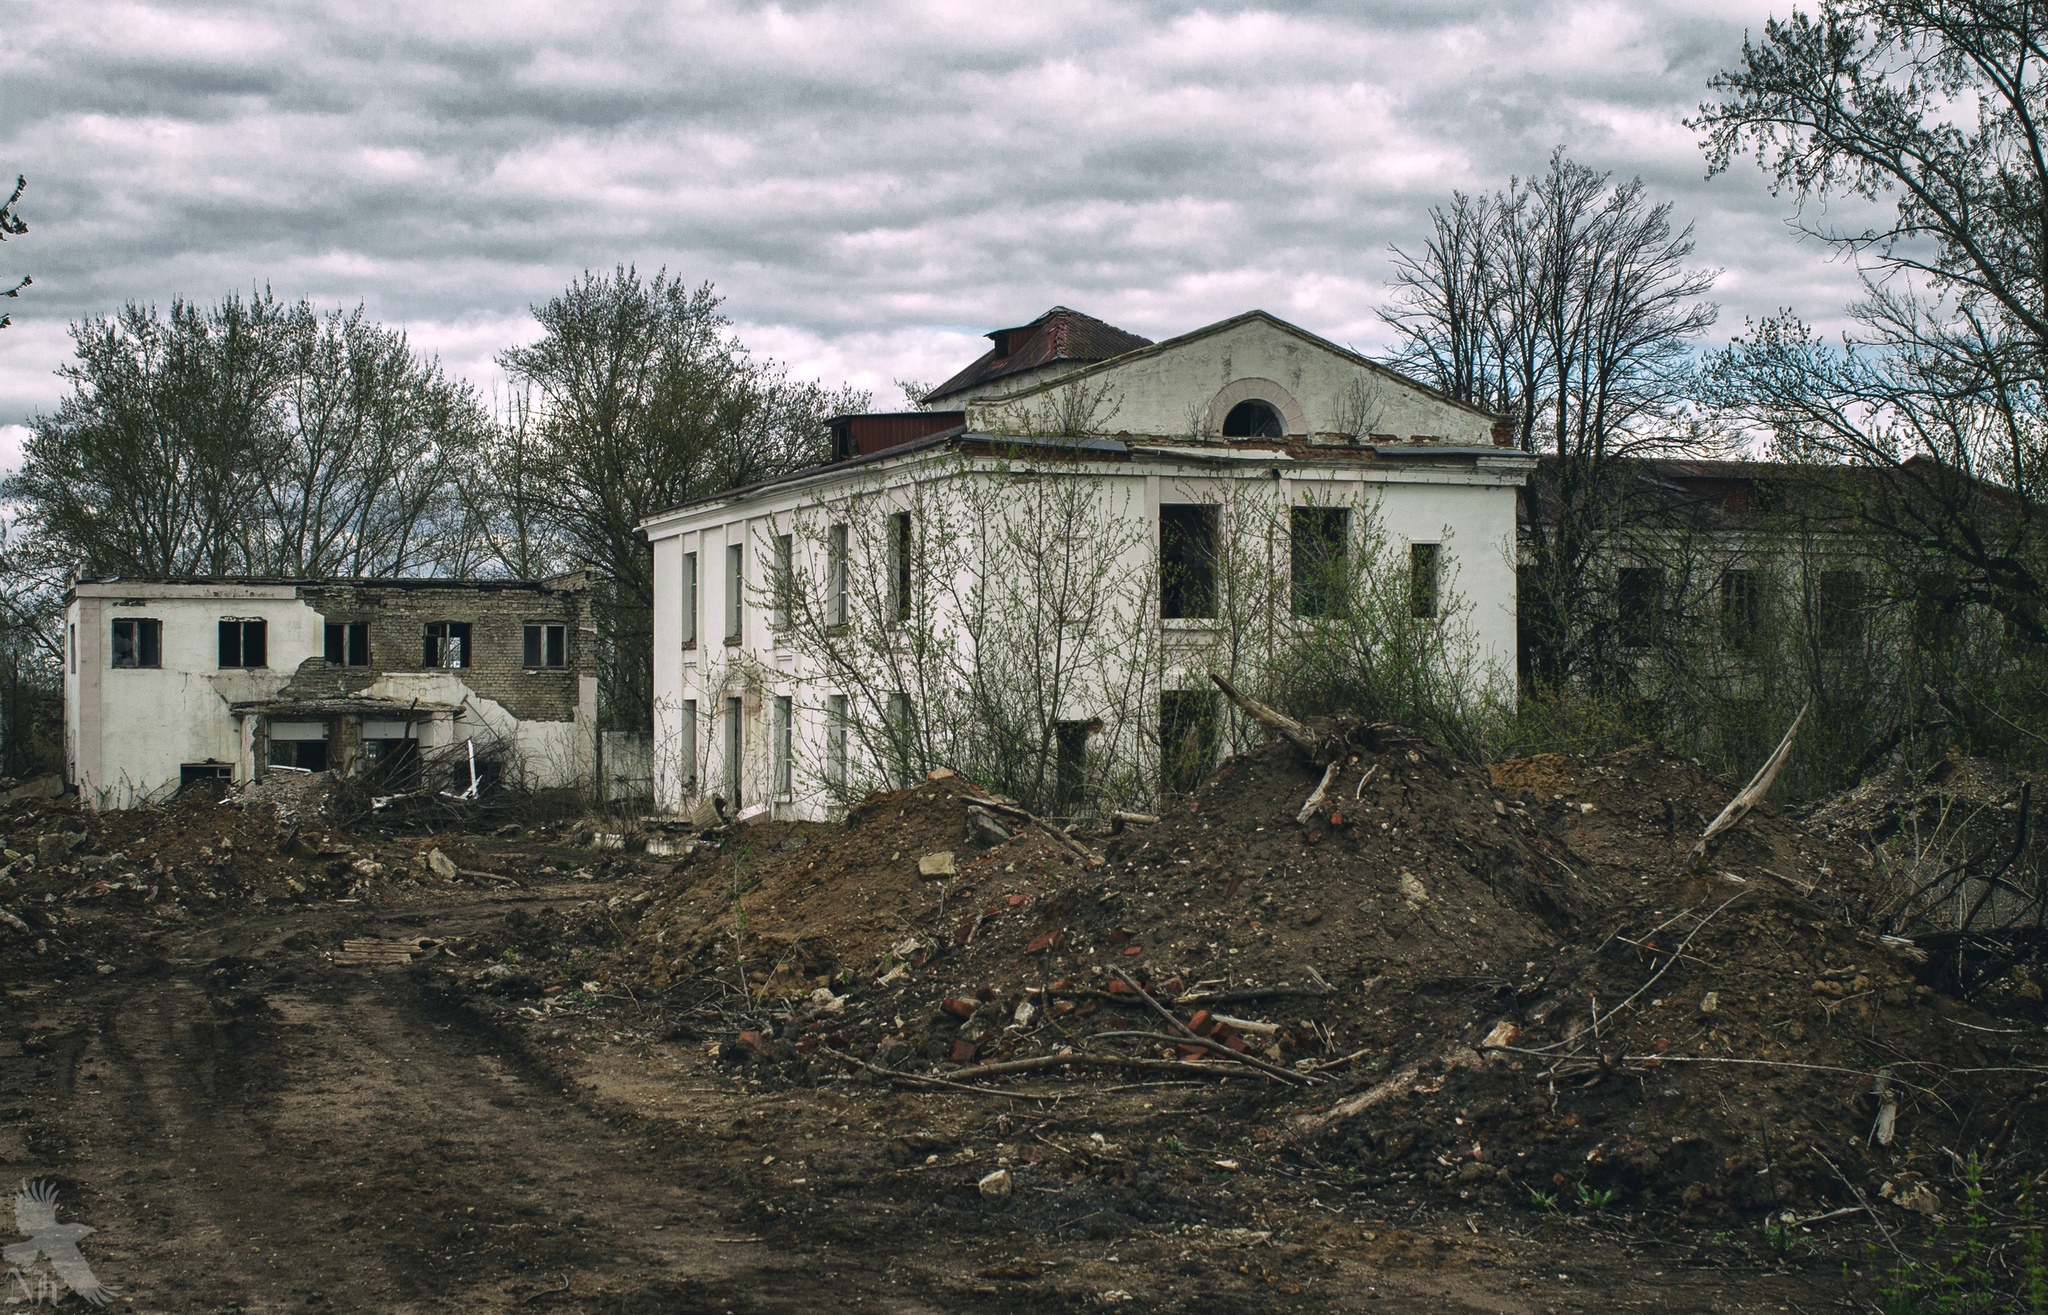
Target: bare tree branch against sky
870 185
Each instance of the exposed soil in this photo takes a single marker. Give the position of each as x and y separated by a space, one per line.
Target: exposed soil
610 1081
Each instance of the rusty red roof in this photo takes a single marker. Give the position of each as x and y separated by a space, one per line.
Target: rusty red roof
1058 335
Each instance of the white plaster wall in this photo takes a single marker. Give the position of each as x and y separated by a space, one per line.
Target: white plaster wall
1154 388
145 722
1467 506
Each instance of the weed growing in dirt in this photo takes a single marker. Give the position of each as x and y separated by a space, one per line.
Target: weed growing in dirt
1595 1198
1967 1280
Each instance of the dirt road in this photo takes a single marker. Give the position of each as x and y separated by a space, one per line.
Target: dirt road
249 1126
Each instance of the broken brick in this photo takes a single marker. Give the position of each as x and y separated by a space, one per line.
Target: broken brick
1134 949
1051 940
1119 988
958 1008
1199 1024
1019 901
1119 936
754 1039
963 1052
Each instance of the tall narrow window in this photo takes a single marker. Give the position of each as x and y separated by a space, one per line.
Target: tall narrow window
138 642
735 591
71 646
903 738
348 643
1841 609
1317 559
784 583
1070 765
784 766
900 541
545 644
244 643
1187 559
1742 608
689 589
687 742
735 749
835 740
445 644
1187 739
1425 578
835 575
1638 605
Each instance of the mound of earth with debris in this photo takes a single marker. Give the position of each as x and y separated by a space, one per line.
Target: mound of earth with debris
1512 983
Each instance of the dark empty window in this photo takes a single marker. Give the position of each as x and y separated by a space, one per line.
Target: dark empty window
1638 605
1841 609
1742 608
300 745
546 645
1425 578
1187 559
1070 768
1187 738
139 642
1317 559
244 644
348 643
900 541
190 774
1253 419
446 644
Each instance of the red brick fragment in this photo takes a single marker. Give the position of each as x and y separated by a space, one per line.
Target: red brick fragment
1119 936
959 1008
1019 901
1118 988
1134 949
1191 1052
754 1039
963 1052
1199 1024
1051 940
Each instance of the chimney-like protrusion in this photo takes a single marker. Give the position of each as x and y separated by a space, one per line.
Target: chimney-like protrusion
1503 433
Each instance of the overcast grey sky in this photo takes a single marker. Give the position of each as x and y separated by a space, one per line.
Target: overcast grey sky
871 186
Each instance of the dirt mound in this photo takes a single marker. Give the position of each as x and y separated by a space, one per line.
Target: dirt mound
1507 982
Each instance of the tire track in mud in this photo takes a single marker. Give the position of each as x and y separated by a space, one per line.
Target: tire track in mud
267 1134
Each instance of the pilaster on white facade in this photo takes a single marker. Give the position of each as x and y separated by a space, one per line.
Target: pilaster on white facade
746 712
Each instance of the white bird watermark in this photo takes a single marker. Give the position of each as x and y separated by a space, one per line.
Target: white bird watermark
35 1214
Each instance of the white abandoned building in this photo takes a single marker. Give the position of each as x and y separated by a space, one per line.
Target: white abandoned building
801 624
167 681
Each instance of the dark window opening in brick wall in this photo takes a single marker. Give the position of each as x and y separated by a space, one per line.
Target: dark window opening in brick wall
546 644
348 643
446 644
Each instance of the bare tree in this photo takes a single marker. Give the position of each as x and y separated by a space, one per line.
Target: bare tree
1569 305
1935 107
13 225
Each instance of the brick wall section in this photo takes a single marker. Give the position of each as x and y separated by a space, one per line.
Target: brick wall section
399 613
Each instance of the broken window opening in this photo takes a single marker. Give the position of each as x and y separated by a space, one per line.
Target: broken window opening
688 736
784 767
191 774
1318 560
138 642
1425 578
1187 739
783 585
1070 764
348 643
899 566
1638 605
297 745
1841 609
1253 418
689 584
835 740
735 590
1742 608
244 643
446 644
1187 559
545 644
735 745
835 575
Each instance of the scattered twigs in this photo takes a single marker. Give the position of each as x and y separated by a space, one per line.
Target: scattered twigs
1759 785
1287 728
1863 1201
1135 819
895 1075
1246 994
1080 850
1370 772
1315 799
1677 954
1214 1047
1204 1042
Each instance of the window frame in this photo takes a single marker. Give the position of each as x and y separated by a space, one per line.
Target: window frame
243 627
1638 614
1426 579
349 633
902 546
534 642
735 595
1318 561
145 644
434 646
1187 578
835 575
688 589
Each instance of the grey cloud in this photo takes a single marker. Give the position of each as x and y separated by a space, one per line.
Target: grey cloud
857 179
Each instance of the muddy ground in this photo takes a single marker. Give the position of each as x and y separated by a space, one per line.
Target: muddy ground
282 1068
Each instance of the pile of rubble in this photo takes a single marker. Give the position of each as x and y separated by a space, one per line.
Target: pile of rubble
1510 983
